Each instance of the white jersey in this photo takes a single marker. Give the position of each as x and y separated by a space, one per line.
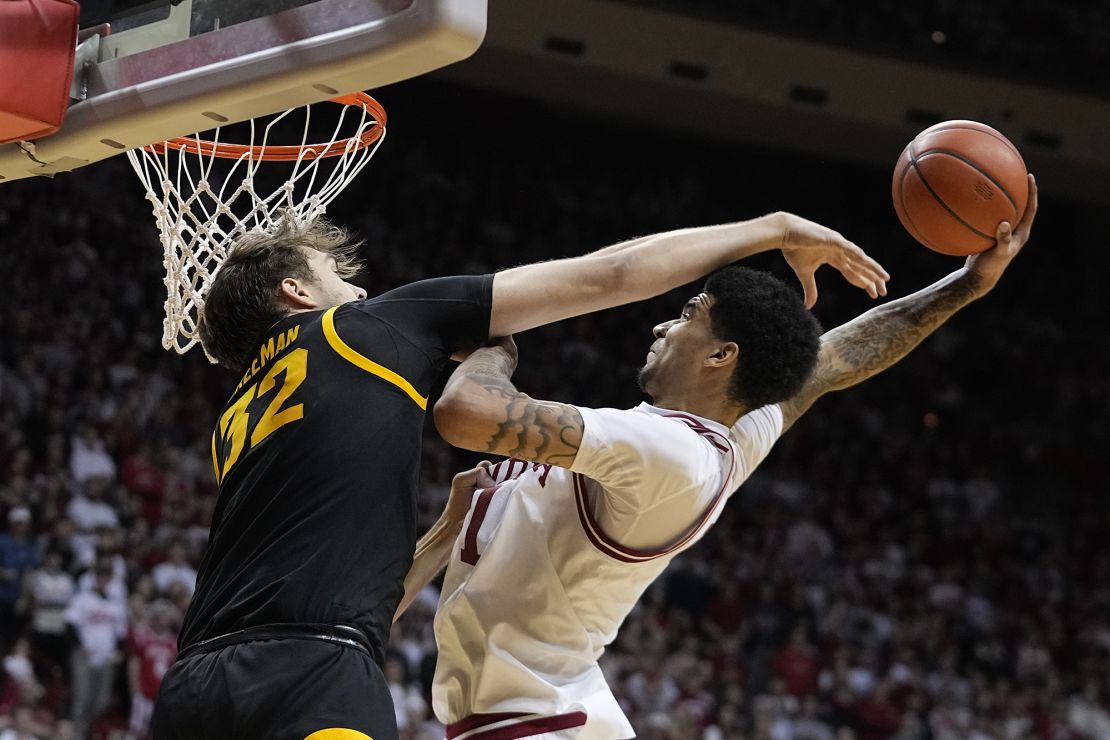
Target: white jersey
550 561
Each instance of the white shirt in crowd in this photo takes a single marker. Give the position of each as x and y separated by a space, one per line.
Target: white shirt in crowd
166 574
1088 718
117 587
88 514
90 460
19 667
100 621
51 593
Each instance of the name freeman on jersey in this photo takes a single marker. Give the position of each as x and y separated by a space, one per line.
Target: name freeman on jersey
269 349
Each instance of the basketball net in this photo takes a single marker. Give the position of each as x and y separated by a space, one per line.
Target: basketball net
201 214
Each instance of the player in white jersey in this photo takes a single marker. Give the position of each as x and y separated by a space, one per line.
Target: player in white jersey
545 572
547 553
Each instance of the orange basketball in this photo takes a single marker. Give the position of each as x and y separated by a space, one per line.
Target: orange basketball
955 183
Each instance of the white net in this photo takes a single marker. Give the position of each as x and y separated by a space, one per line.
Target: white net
201 210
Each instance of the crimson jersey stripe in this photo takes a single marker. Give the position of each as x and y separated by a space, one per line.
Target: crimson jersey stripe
469 552
479 720
617 551
523 729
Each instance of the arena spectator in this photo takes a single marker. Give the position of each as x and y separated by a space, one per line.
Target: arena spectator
100 622
18 555
798 663
152 648
20 671
408 703
88 458
175 571
1087 715
89 510
116 566
23 726
49 591
809 725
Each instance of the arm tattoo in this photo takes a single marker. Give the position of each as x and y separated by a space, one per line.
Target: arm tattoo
537 431
881 337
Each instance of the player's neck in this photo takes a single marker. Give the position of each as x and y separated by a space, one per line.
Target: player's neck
719 407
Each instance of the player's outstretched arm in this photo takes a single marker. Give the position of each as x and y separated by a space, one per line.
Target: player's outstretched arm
542 293
482 410
434 548
874 341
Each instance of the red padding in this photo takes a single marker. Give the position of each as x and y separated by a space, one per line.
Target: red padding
37 43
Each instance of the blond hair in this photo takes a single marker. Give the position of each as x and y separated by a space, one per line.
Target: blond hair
243 301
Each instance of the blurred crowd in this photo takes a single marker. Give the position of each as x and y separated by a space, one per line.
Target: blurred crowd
1065 43
922 557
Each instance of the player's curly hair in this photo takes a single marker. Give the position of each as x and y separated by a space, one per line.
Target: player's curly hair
243 302
777 336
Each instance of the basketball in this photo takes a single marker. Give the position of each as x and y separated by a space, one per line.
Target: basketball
955 183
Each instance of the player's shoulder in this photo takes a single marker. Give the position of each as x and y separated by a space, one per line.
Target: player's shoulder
468 288
377 306
759 425
665 432
415 304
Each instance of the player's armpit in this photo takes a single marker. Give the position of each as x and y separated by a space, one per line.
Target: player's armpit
481 410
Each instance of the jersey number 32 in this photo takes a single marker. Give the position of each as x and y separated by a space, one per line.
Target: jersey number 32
237 426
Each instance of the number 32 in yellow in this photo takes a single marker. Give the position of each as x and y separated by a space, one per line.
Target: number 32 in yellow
235 424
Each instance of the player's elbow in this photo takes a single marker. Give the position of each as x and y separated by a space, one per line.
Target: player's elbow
457 418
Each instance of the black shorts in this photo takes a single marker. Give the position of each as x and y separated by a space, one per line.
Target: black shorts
289 688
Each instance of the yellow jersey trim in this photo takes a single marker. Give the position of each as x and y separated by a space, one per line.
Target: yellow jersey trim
365 363
338 733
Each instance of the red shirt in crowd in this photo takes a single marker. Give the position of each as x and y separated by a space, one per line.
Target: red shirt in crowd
799 667
156 652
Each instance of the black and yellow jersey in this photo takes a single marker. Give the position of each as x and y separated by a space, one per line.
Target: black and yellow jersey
317 456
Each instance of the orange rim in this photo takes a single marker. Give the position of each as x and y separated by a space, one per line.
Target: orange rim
272 153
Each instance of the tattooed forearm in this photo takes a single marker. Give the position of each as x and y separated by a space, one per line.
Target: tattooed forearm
533 430
881 337
498 418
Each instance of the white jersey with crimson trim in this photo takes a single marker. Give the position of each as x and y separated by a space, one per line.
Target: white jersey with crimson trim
550 561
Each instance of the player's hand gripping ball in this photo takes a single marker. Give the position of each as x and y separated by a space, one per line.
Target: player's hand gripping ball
955 183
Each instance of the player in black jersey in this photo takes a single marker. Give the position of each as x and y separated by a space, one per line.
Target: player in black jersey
316 454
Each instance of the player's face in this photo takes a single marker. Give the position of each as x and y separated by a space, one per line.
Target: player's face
329 288
679 349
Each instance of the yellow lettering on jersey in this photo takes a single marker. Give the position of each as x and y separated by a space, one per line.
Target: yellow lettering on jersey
267 353
235 421
338 733
233 427
243 382
295 365
215 460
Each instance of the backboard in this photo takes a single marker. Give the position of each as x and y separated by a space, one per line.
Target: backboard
183 68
